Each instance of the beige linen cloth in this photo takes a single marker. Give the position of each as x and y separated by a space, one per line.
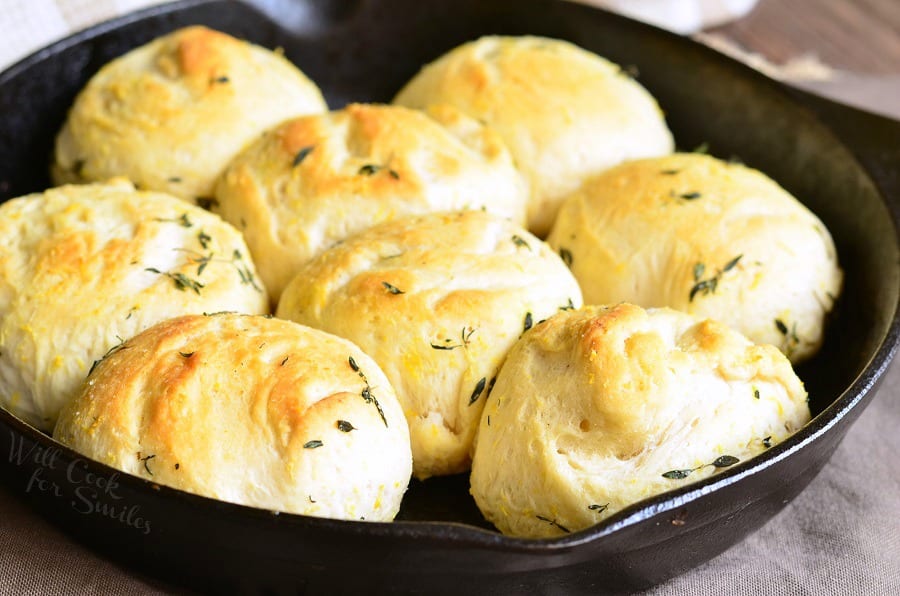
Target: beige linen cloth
840 536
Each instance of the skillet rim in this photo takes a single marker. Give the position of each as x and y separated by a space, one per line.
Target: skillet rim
849 403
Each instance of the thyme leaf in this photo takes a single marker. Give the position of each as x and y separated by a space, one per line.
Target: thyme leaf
566 255
392 288
184 221
445 346
793 340
519 241
725 461
370 169
345 426
598 508
528 323
678 474
479 388
314 444
731 264
704 287
301 155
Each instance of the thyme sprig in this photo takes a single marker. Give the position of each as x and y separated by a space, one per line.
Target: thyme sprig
119 346
366 393
723 461
465 335
203 260
182 282
708 286
145 460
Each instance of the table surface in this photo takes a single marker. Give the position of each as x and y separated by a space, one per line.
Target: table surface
852 524
861 36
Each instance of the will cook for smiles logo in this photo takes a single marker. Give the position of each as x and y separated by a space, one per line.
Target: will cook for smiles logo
88 493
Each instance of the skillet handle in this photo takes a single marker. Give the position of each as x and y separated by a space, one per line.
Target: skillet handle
874 140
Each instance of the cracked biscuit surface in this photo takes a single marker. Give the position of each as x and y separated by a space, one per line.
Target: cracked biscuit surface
598 408
170 114
85 267
250 410
565 113
437 301
316 180
707 237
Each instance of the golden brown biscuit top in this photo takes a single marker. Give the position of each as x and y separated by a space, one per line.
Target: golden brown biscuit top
315 180
701 235
85 266
564 112
169 115
598 408
247 409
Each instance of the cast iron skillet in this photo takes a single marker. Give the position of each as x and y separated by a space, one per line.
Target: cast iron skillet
841 162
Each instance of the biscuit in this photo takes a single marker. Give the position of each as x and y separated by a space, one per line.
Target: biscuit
707 237
315 180
599 408
564 112
437 301
250 410
84 267
169 115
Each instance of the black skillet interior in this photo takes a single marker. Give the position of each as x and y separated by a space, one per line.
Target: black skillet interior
364 50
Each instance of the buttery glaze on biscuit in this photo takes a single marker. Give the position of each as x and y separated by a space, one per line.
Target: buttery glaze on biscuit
84 267
707 237
598 408
315 180
169 115
250 410
437 301
565 113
